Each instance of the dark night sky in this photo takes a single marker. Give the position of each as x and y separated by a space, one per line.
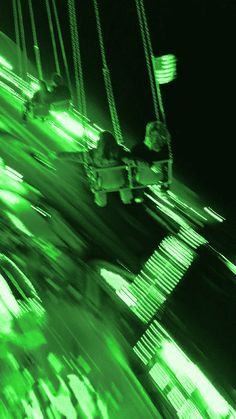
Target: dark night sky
199 104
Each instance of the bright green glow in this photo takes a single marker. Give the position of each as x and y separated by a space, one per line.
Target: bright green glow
164 68
16 81
168 212
60 132
9 197
8 78
74 126
231 266
196 212
127 297
97 127
17 174
159 277
4 63
180 364
181 381
114 280
11 175
18 223
159 375
35 86
7 297
214 215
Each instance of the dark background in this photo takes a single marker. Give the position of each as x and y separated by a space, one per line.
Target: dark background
199 104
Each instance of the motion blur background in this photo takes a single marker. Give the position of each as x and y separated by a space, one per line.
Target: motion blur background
199 104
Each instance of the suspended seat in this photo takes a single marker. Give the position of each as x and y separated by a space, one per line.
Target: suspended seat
125 178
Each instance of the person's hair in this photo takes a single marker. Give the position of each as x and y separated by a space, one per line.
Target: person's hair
110 146
158 126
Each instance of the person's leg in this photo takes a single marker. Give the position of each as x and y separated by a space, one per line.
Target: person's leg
126 196
100 199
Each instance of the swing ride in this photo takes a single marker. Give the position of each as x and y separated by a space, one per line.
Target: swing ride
78 280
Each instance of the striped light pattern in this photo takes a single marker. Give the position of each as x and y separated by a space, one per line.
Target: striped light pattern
214 215
180 381
191 237
164 68
159 277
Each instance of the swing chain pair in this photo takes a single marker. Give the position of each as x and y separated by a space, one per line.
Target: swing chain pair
79 80
155 87
107 80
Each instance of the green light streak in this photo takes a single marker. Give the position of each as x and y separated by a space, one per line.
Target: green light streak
34 85
61 133
178 362
5 64
18 224
127 297
214 215
14 172
9 197
114 280
74 126
185 386
12 175
169 212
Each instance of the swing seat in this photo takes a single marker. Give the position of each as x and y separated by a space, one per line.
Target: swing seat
126 178
110 179
150 175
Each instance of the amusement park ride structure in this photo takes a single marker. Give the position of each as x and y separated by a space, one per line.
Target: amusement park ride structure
179 385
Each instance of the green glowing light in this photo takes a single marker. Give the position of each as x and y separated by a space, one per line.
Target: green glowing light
114 280
74 126
18 223
34 85
17 174
214 214
7 297
127 297
180 364
164 68
9 197
5 63
8 78
61 133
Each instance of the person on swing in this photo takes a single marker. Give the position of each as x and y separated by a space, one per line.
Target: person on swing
154 148
108 154
40 97
59 91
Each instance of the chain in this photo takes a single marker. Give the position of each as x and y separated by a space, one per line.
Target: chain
80 84
35 39
107 80
148 59
149 55
159 96
54 46
77 59
60 37
22 32
17 33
